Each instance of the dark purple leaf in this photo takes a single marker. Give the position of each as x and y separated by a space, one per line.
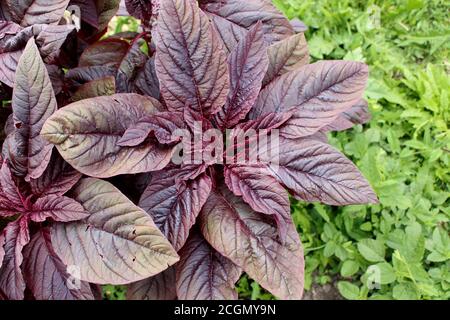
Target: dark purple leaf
204 274
10 189
315 171
286 55
46 275
129 65
57 179
117 244
8 59
247 65
30 12
163 125
88 10
82 75
33 102
174 205
191 66
233 18
159 287
86 135
108 52
56 76
262 192
15 236
250 240
140 9
147 82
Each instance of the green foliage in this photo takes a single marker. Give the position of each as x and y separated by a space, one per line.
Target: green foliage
399 249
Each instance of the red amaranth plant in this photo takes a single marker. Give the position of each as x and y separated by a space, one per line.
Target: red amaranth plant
225 113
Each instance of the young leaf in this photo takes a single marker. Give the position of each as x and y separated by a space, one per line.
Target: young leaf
86 134
204 274
117 244
174 206
251 241
46 275
163 125
15 237
58 208
286 55
233 18
247 64
33 102
315 171
317 93
191 66
261 191
159 287
30 12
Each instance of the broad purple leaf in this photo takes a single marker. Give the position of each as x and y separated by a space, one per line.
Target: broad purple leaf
15 237
33 102
106 11
53 41
316 93
147 82
88 10
173 205
247 65
191 66
86 134
10 189
57 208
250 240
56 75
117 244
233 18
159 287
204 274
46 275
262 192
108 52
163 125
267 122
315 171
30 12
57 179
95 88
286 55
357 114
129 65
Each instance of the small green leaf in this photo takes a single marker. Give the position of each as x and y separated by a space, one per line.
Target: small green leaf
348 290
405 291
372 250
349 268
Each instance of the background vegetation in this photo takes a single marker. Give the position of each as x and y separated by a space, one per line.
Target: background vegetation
399 249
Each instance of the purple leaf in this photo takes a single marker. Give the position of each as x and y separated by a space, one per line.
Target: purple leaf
95 88
286 55
30 12
10 189
33 102
131 62
163 125
57 179
315 171
117 244
262 192
174 205
204 274
57 208
147 82
15 236
250 240
108 52
247 64
191 66
88 10
357 114
82 75
159 287
86 135
8 59
140 9
316 93
233 18
46 275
